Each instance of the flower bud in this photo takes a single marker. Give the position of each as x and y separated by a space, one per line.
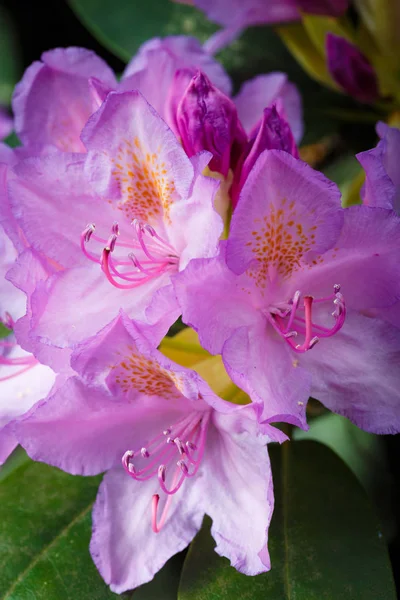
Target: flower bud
351 69
272 133
207 120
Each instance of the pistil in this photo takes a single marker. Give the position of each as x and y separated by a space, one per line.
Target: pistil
186 441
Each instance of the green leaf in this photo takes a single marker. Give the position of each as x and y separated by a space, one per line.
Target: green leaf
364 453
45 522
13 140
123 25
4 331
9 57
18 458
325 542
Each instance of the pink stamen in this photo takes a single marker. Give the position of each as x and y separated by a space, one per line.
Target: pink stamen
150 271
308 320
290 329
17 373
182 428
85 237
295 304
157 526
159 255
106 269
140 235
161 453
20 360
27 361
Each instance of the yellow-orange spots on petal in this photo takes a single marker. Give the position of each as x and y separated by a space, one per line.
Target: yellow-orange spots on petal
280 240
147 191
145 375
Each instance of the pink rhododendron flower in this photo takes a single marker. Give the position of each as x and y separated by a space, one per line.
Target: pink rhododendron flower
298 270
153 214
23 380
382 186
184 451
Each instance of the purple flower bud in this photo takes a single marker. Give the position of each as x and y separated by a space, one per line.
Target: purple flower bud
272 133
351 69
207 120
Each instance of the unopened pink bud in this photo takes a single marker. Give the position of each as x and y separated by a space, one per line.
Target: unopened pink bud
272 133
208 120
351 69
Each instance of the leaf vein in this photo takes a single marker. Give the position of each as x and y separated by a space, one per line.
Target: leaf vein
45 550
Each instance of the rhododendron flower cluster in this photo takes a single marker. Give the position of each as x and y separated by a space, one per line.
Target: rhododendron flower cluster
132 204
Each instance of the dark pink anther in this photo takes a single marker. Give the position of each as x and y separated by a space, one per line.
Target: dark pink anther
115 228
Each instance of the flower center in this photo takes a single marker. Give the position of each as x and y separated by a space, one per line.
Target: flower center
150 255
186 441
294 318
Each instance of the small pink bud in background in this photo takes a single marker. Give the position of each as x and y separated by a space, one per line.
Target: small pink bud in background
207 120
272 133
351 69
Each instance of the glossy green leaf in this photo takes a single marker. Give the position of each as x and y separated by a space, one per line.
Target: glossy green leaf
13 140
18 458
4 332
325 542
45 520
123 25
364 453
9 57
